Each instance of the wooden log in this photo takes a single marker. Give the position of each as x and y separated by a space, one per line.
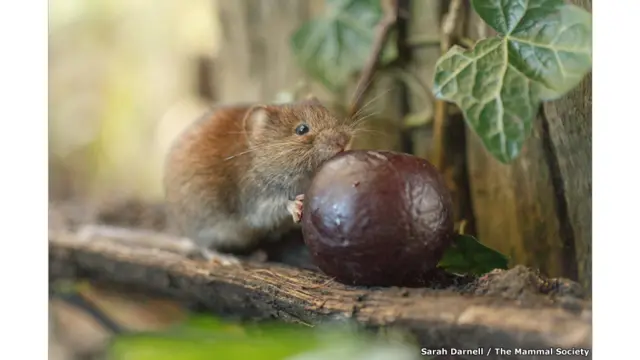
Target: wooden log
537 210
515 205
269 290
569 122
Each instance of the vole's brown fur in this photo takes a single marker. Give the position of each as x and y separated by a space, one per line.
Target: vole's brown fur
232 177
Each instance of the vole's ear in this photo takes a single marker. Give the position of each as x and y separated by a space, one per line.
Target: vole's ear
311 100
255 120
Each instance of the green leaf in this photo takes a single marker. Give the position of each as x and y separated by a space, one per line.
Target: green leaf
333 47
505 16
544 51
468 256
158 347
208 338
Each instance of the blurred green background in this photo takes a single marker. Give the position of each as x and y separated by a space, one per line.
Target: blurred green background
123 80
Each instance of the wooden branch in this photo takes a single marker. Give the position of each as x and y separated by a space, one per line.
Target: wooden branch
390 8
268 290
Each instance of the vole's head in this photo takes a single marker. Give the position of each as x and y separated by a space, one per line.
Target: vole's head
295 139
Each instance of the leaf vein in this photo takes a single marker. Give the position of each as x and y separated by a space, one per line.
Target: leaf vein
526 7
503 143
464 67
545 46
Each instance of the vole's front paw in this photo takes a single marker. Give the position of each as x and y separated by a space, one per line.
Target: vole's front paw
295 208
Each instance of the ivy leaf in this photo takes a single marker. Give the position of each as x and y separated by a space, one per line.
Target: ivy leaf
333 47
468 256
544 51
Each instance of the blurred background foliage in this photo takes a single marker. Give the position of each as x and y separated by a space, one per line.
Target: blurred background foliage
122 83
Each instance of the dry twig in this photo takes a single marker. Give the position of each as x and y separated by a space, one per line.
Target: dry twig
390 8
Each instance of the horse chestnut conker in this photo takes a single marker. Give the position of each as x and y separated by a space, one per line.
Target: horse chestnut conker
377 218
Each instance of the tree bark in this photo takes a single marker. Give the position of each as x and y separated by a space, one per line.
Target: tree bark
269 290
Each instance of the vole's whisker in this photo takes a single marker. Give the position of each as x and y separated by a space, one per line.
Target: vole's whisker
239 154
361 120
369 131
278 155
257 148
370 102
357 96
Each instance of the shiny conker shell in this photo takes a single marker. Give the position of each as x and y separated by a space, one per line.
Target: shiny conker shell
377 218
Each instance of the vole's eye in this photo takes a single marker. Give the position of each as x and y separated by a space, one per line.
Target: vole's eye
302 129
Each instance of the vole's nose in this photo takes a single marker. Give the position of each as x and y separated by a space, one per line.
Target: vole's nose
340 144
334 149
336 142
